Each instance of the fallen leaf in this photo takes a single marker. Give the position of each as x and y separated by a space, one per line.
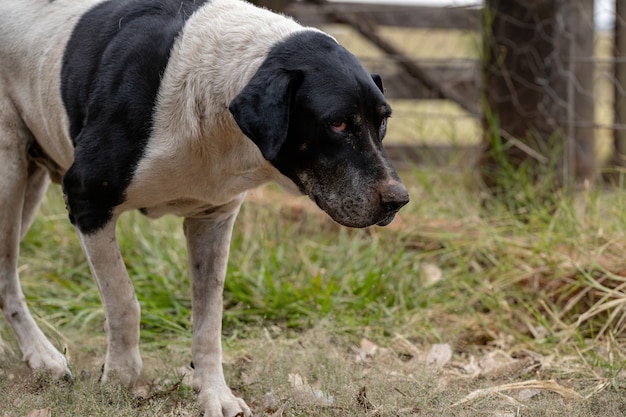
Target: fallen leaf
306 393
278 413
439 355
494 362
431 274
366 351
472 368
402 346
296 381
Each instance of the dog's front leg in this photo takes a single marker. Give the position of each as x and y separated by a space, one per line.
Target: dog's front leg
123 361
208 241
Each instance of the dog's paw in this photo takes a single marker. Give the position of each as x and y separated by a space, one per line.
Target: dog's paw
45 359
222 402
122 369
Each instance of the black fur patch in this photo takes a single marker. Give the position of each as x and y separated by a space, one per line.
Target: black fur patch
307 82
111 74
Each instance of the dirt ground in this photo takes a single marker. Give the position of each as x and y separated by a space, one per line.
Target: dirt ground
320 373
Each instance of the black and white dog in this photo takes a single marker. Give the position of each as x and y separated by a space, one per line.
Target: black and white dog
175 106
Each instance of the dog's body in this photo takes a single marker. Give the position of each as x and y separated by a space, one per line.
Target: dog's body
175 106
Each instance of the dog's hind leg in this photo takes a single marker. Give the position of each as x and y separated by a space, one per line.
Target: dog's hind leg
38 181
19 196
208 241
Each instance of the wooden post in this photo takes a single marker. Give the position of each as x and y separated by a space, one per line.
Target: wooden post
583 30
619 133
538 77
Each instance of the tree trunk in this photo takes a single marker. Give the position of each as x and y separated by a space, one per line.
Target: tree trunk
538 101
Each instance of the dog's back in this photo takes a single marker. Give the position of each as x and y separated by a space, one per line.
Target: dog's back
29 26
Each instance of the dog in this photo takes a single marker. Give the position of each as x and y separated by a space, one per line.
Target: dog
175 107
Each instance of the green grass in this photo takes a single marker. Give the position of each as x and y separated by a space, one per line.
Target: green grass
301 292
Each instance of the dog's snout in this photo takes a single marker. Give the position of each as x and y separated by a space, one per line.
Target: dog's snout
393 196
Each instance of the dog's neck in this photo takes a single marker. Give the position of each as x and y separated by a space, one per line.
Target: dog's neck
201 81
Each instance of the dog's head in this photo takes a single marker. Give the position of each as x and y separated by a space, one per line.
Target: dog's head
319 117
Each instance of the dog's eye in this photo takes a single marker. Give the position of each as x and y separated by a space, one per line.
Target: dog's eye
338 126
382 128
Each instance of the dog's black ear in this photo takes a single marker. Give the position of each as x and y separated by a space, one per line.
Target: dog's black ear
379 82
263 107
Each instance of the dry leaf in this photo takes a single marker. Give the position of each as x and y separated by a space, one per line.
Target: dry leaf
366 351
431 274
296 381
402 346
278 413
439 355
472 368
496 363
306 393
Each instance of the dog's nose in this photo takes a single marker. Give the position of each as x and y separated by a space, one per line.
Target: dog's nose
393 196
